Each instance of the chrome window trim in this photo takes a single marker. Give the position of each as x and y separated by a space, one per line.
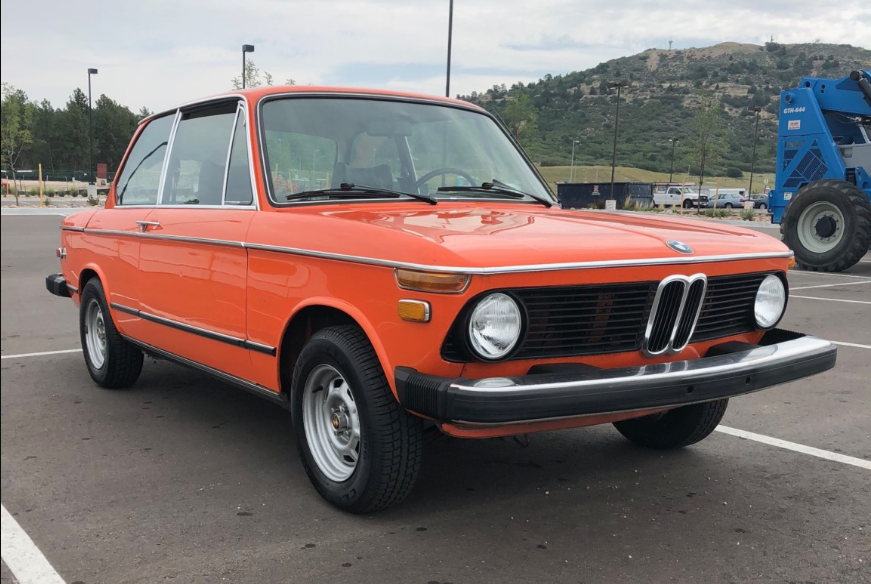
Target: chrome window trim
457 104
459 269
243 104
201 332
227 160
669 346
166 156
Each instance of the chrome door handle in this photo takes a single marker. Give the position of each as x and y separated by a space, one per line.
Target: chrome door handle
144 225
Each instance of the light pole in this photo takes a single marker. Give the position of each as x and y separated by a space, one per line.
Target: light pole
619 85
671 170
450 34
91 179
572 171
756 109
245 49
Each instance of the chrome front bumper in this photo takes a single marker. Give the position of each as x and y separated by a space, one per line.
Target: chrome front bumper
728 370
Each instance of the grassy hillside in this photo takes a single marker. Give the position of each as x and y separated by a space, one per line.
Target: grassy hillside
665 90
554 174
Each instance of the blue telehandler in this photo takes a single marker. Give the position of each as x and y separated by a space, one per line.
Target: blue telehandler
822 193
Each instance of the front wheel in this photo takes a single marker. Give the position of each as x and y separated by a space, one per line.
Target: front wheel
361 450
827 225
112 360
763 206
675 428
687 204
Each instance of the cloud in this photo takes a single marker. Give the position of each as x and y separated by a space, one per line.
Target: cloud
160 53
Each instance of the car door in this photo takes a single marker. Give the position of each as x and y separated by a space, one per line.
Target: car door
674 196
192 254
111 239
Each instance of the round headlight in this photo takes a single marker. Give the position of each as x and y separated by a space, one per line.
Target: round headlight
770 302
494 326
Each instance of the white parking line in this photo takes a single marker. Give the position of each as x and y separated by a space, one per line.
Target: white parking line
834 456
855 345
830 299
830 285
42 354
824 274
22 557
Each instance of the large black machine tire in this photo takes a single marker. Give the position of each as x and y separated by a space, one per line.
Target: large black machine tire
828 225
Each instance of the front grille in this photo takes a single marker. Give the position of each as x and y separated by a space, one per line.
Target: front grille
728 307
572 321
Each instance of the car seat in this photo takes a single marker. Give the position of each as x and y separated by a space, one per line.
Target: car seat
379 177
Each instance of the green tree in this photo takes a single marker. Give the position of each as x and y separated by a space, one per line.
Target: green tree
16 118
73 131
114 125
521 117
45 135
705 128
254 77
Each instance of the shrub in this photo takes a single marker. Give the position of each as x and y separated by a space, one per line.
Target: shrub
733 172
716 213
748 214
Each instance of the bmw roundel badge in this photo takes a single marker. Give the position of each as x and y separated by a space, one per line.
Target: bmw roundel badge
679 246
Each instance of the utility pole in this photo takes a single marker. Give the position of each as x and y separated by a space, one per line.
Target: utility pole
572 171
91 178
671 170
245 49
756 110
619 85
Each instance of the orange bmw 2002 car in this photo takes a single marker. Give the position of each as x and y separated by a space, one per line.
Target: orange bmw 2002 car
378 262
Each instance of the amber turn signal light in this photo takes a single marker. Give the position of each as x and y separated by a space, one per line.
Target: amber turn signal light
414 310
791 261
438 282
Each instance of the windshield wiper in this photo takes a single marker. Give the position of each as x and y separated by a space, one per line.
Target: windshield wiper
498 187
354 190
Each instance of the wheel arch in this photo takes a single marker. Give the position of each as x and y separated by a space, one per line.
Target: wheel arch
314 315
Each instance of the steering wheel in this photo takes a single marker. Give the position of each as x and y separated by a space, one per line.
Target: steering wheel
440 171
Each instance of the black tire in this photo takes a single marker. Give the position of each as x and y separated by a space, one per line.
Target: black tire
391 439
763 206
122 362
675 428
687 204
728 205
854 207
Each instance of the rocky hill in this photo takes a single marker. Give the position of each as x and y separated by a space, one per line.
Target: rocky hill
665 88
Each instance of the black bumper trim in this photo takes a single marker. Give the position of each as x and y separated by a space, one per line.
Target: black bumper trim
57 285
731 369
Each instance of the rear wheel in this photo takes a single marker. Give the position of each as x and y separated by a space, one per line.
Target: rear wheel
674 428
763 206
828 225
728 205
687 204
112 360
360 449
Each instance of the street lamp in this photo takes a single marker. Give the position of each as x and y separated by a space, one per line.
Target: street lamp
671 171
572 171
755 109
245 49
619 85
91 71
450 34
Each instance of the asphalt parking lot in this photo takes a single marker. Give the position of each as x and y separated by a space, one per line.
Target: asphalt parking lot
183 479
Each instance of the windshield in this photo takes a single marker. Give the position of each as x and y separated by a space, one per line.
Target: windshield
315 143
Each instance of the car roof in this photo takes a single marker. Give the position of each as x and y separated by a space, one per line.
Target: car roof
255 94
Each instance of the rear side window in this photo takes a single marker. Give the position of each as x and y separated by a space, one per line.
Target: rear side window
198 161
139 180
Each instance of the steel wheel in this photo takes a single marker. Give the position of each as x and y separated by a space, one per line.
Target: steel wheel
821 227
95 334
331 422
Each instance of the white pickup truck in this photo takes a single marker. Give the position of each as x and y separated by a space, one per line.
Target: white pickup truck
671 197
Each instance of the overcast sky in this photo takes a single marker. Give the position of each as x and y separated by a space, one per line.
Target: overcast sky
157 53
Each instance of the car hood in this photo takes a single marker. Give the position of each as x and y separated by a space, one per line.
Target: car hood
512 235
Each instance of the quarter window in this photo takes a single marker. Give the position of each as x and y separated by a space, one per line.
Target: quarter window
139 180
198 160
239 174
